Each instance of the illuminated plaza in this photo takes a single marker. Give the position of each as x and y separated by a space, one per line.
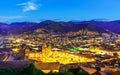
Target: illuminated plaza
63 57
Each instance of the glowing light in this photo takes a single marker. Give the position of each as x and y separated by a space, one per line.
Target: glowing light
15 50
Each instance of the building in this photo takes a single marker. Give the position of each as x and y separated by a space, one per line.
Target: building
61 56
48 67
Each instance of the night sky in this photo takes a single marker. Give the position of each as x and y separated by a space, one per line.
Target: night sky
65 10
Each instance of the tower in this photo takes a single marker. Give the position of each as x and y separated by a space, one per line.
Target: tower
46 50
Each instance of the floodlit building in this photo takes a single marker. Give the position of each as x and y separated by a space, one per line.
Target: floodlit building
63 57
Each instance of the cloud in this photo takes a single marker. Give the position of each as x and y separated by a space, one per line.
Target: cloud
8 18
30 5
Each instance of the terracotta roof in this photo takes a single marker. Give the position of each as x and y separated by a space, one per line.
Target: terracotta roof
89 70
14 64
92 70
47 66
109 68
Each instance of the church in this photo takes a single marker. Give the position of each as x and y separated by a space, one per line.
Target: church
47 55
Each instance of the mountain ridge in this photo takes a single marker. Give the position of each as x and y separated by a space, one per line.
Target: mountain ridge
61 26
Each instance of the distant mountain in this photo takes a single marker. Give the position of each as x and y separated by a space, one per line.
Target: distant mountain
112 26
20 27
63 27
3 28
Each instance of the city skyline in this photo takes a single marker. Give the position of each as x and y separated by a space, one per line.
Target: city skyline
65 10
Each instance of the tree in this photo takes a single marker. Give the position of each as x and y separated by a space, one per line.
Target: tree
77 71
30 70
81 72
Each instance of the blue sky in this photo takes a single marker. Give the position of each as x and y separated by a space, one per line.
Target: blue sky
65 10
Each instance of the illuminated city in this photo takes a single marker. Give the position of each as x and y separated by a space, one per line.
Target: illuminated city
59 37
80 47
